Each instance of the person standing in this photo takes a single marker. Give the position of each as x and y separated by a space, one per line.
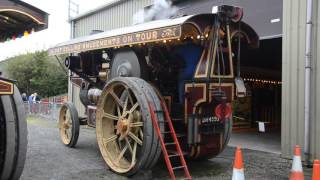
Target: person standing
30 101
24 97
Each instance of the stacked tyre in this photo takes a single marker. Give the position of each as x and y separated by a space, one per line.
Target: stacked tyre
13 136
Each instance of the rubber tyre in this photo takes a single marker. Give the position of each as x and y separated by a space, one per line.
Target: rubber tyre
75 124
14 134
153 97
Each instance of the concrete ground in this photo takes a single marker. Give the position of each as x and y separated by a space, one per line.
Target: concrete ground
266 142
48 159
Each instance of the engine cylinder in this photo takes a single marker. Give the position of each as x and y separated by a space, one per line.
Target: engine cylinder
94 95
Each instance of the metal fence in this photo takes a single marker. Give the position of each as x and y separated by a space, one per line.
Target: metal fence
47 110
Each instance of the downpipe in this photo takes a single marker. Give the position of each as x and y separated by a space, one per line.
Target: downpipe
307 93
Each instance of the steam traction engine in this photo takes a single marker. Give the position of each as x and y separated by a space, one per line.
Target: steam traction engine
162 86
13 131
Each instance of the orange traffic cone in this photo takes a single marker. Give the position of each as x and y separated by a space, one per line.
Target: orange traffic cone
238 171
296 170
316 170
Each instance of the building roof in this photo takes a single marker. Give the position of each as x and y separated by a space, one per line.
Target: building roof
264 16
16 17
97 9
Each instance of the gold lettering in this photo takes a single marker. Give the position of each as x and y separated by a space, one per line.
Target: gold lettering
101 43
109 42
130 39
154 35
105 42
174 31
143 36
87 45
118 41
113 41
124 39
149 35
138 37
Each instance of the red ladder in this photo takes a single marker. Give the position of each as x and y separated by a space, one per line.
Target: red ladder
164 145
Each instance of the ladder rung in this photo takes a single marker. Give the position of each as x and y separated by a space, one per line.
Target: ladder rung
167 132
171 143
177 135
178 167
173 155
174 152
180 135
177 119
162 121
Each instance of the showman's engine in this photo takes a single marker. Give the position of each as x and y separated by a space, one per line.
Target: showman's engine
161 86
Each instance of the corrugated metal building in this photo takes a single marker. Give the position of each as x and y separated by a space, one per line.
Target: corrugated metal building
293 55
258 14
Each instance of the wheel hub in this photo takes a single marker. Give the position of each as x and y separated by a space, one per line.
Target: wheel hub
66 125
123 127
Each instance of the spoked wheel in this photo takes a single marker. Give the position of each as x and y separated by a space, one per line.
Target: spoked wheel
125 133
69 124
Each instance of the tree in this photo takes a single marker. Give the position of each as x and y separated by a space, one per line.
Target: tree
37 72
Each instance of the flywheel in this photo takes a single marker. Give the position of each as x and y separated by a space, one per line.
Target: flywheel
128 63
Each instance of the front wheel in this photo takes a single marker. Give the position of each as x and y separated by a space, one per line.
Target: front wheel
69 124
125 134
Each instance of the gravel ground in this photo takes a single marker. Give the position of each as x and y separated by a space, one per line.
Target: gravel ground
48 159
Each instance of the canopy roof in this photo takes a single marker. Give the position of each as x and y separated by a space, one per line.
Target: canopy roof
153 31
16 17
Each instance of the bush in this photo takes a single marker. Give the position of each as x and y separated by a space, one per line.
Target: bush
37 72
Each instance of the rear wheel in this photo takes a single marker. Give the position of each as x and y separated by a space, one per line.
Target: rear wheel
69 124
125 134
13 136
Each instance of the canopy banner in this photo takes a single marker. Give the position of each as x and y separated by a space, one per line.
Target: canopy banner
160 34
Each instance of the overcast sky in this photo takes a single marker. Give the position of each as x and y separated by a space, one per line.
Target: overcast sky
58 31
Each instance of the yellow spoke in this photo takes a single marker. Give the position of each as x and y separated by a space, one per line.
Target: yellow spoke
121 154
128 144
135 138
116 98
136 124
66 133
141 133
110 116
119 111
125 106
129 95
134 153
67 117
134 107
107 140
